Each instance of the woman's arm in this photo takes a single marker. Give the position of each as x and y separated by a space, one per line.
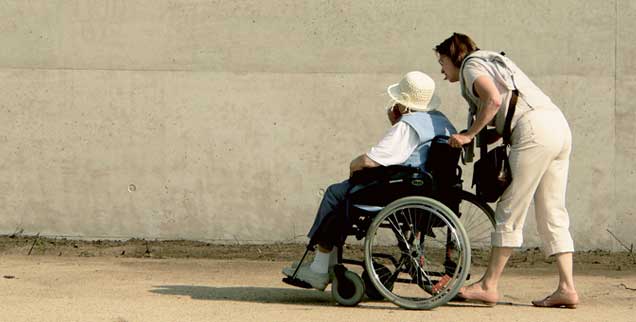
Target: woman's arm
490 102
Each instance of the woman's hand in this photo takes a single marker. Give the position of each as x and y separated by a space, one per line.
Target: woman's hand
459 140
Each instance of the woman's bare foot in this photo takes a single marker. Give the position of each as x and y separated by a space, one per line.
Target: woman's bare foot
477 293
559 298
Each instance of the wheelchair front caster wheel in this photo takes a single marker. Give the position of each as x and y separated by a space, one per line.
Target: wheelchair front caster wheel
347 287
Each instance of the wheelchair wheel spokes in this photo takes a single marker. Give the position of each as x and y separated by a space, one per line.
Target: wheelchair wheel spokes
422 236
478 220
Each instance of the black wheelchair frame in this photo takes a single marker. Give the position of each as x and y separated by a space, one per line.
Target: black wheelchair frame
435 191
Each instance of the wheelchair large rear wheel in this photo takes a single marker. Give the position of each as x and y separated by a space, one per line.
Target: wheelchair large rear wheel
478 219
423 250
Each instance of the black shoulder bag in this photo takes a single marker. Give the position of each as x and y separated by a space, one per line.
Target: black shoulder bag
492 173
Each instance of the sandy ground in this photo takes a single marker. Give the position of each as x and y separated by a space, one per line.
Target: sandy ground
75 282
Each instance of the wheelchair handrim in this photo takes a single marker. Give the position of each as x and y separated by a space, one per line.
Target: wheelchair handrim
459 234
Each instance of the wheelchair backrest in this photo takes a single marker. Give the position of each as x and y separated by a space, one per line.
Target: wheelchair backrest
442 162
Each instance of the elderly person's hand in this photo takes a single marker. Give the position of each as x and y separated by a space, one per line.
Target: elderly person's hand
361 162
459 140
394 114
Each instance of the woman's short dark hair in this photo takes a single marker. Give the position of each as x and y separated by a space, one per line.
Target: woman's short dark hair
456 47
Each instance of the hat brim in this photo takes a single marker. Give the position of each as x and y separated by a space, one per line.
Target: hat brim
433 104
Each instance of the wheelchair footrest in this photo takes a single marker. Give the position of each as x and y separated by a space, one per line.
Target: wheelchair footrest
296 282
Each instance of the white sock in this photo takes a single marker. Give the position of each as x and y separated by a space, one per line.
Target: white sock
333 257
321 263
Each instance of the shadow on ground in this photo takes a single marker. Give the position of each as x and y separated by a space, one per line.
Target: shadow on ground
248 294
274 295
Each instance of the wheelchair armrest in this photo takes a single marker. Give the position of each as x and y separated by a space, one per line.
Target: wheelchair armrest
369 175
368 208
390 185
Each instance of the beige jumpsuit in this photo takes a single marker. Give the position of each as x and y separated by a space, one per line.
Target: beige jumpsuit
539 156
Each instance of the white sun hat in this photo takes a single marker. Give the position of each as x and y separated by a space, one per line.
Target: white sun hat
415 91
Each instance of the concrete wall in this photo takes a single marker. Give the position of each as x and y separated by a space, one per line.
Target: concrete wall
225 120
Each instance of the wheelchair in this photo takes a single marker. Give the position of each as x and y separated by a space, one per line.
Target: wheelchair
417 226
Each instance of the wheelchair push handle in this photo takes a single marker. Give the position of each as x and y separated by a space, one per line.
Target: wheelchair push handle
490 136
446 138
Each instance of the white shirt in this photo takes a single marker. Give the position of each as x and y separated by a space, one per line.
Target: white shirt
502 71
475 68
396 146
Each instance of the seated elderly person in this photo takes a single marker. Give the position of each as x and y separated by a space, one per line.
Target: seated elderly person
415 122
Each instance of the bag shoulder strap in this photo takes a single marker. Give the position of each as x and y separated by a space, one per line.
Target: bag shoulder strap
509 114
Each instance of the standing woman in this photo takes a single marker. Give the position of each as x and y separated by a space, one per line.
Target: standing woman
539 159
